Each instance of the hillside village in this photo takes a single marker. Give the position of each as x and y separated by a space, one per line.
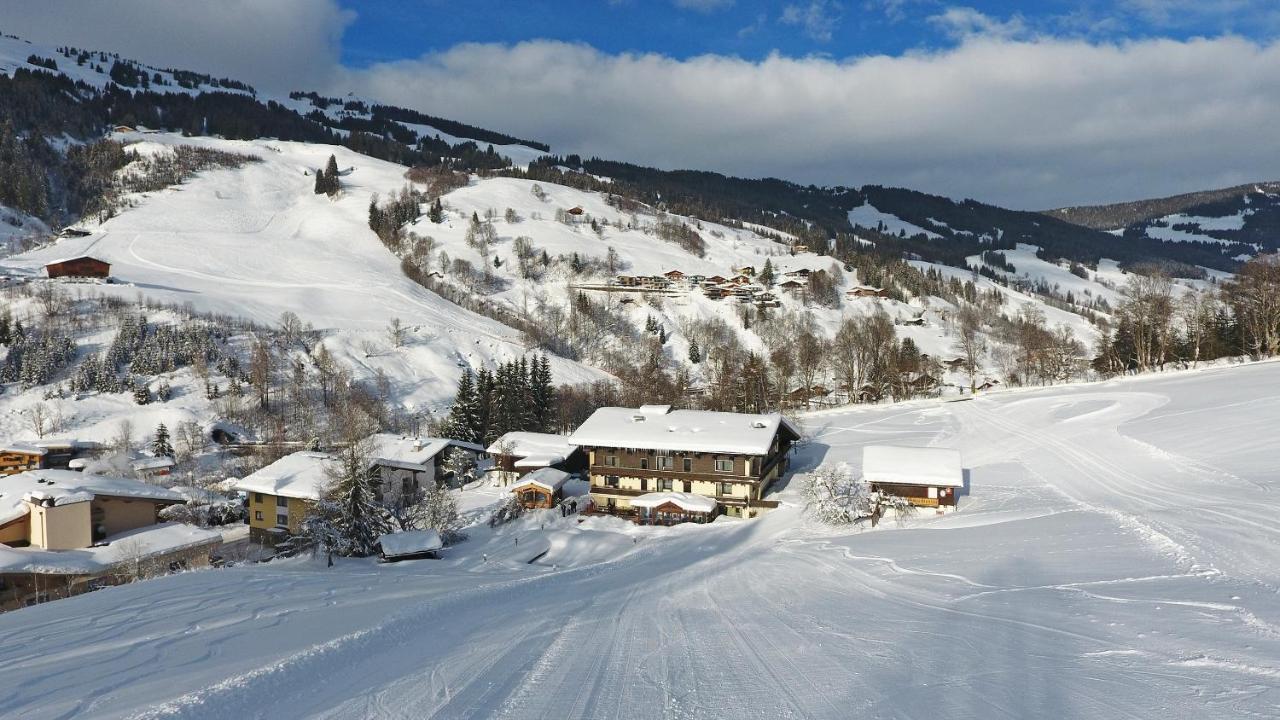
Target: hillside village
286 380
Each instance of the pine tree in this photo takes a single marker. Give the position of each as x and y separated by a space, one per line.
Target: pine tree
464 420
322 185
331 182
766 276
359 521
695 352
141 393
160 446
436 213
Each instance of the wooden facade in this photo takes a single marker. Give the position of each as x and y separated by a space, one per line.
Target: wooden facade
920 495
16 459
737 482
79 267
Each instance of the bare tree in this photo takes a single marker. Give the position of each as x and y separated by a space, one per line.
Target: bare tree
1254 294
38 413
396 332
970 342
290 327
123 440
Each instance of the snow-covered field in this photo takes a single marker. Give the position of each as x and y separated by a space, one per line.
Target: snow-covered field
1114 556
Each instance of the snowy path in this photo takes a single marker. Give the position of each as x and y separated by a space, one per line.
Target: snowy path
1114 558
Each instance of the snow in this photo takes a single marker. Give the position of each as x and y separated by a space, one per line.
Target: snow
137 544
868 216
412 453
895 465
693 430
519 155
300 475
410 542
531 444
686 501
68 483
1114 556
547 478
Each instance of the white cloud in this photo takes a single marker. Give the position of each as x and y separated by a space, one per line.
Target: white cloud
705 6
818 19
281 44
1028 123
966 22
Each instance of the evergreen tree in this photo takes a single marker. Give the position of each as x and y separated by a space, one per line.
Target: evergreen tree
141 393
331 182
766 276
321 186
464 416
695 352
359 521
161 446
436 213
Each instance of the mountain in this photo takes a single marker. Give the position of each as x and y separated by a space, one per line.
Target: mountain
1238 221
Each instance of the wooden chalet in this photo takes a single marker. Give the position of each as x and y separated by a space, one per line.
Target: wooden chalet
791 286
542 488
716 280
674 508
21 457
917 321
748 270
629 280
861 291
801 273
84 266
674 275
731 459
927 477
740 280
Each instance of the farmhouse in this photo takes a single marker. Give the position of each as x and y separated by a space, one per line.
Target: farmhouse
542 488
405 465
84 266
674 275
517 453
927 477
281 493
152 467
730 458
19 457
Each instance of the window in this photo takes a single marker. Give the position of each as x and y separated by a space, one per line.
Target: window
725 489
257 515
688 464
664 463
664 485
282 502
611 461
724 465
611 481
282 519
257 497
644 463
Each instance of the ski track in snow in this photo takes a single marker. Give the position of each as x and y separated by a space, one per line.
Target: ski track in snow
1108 561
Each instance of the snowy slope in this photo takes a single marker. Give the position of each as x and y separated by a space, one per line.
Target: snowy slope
256 241
1113 557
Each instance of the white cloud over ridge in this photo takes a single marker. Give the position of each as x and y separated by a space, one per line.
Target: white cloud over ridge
1027 123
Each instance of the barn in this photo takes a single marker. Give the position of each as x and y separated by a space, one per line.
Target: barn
927 477
83 266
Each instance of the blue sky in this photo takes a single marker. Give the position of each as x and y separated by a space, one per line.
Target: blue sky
395 29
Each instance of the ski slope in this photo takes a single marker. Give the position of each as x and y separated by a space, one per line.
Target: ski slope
1113 557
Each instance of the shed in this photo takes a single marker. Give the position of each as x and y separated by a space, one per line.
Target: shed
83 266
929 477
410 545
542 488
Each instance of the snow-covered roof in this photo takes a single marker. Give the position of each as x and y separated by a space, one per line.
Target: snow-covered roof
22 447
528 445
63 486
300 475
410 542
654 427
155 463
549 479
140 543
685 501
412 453
895 465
